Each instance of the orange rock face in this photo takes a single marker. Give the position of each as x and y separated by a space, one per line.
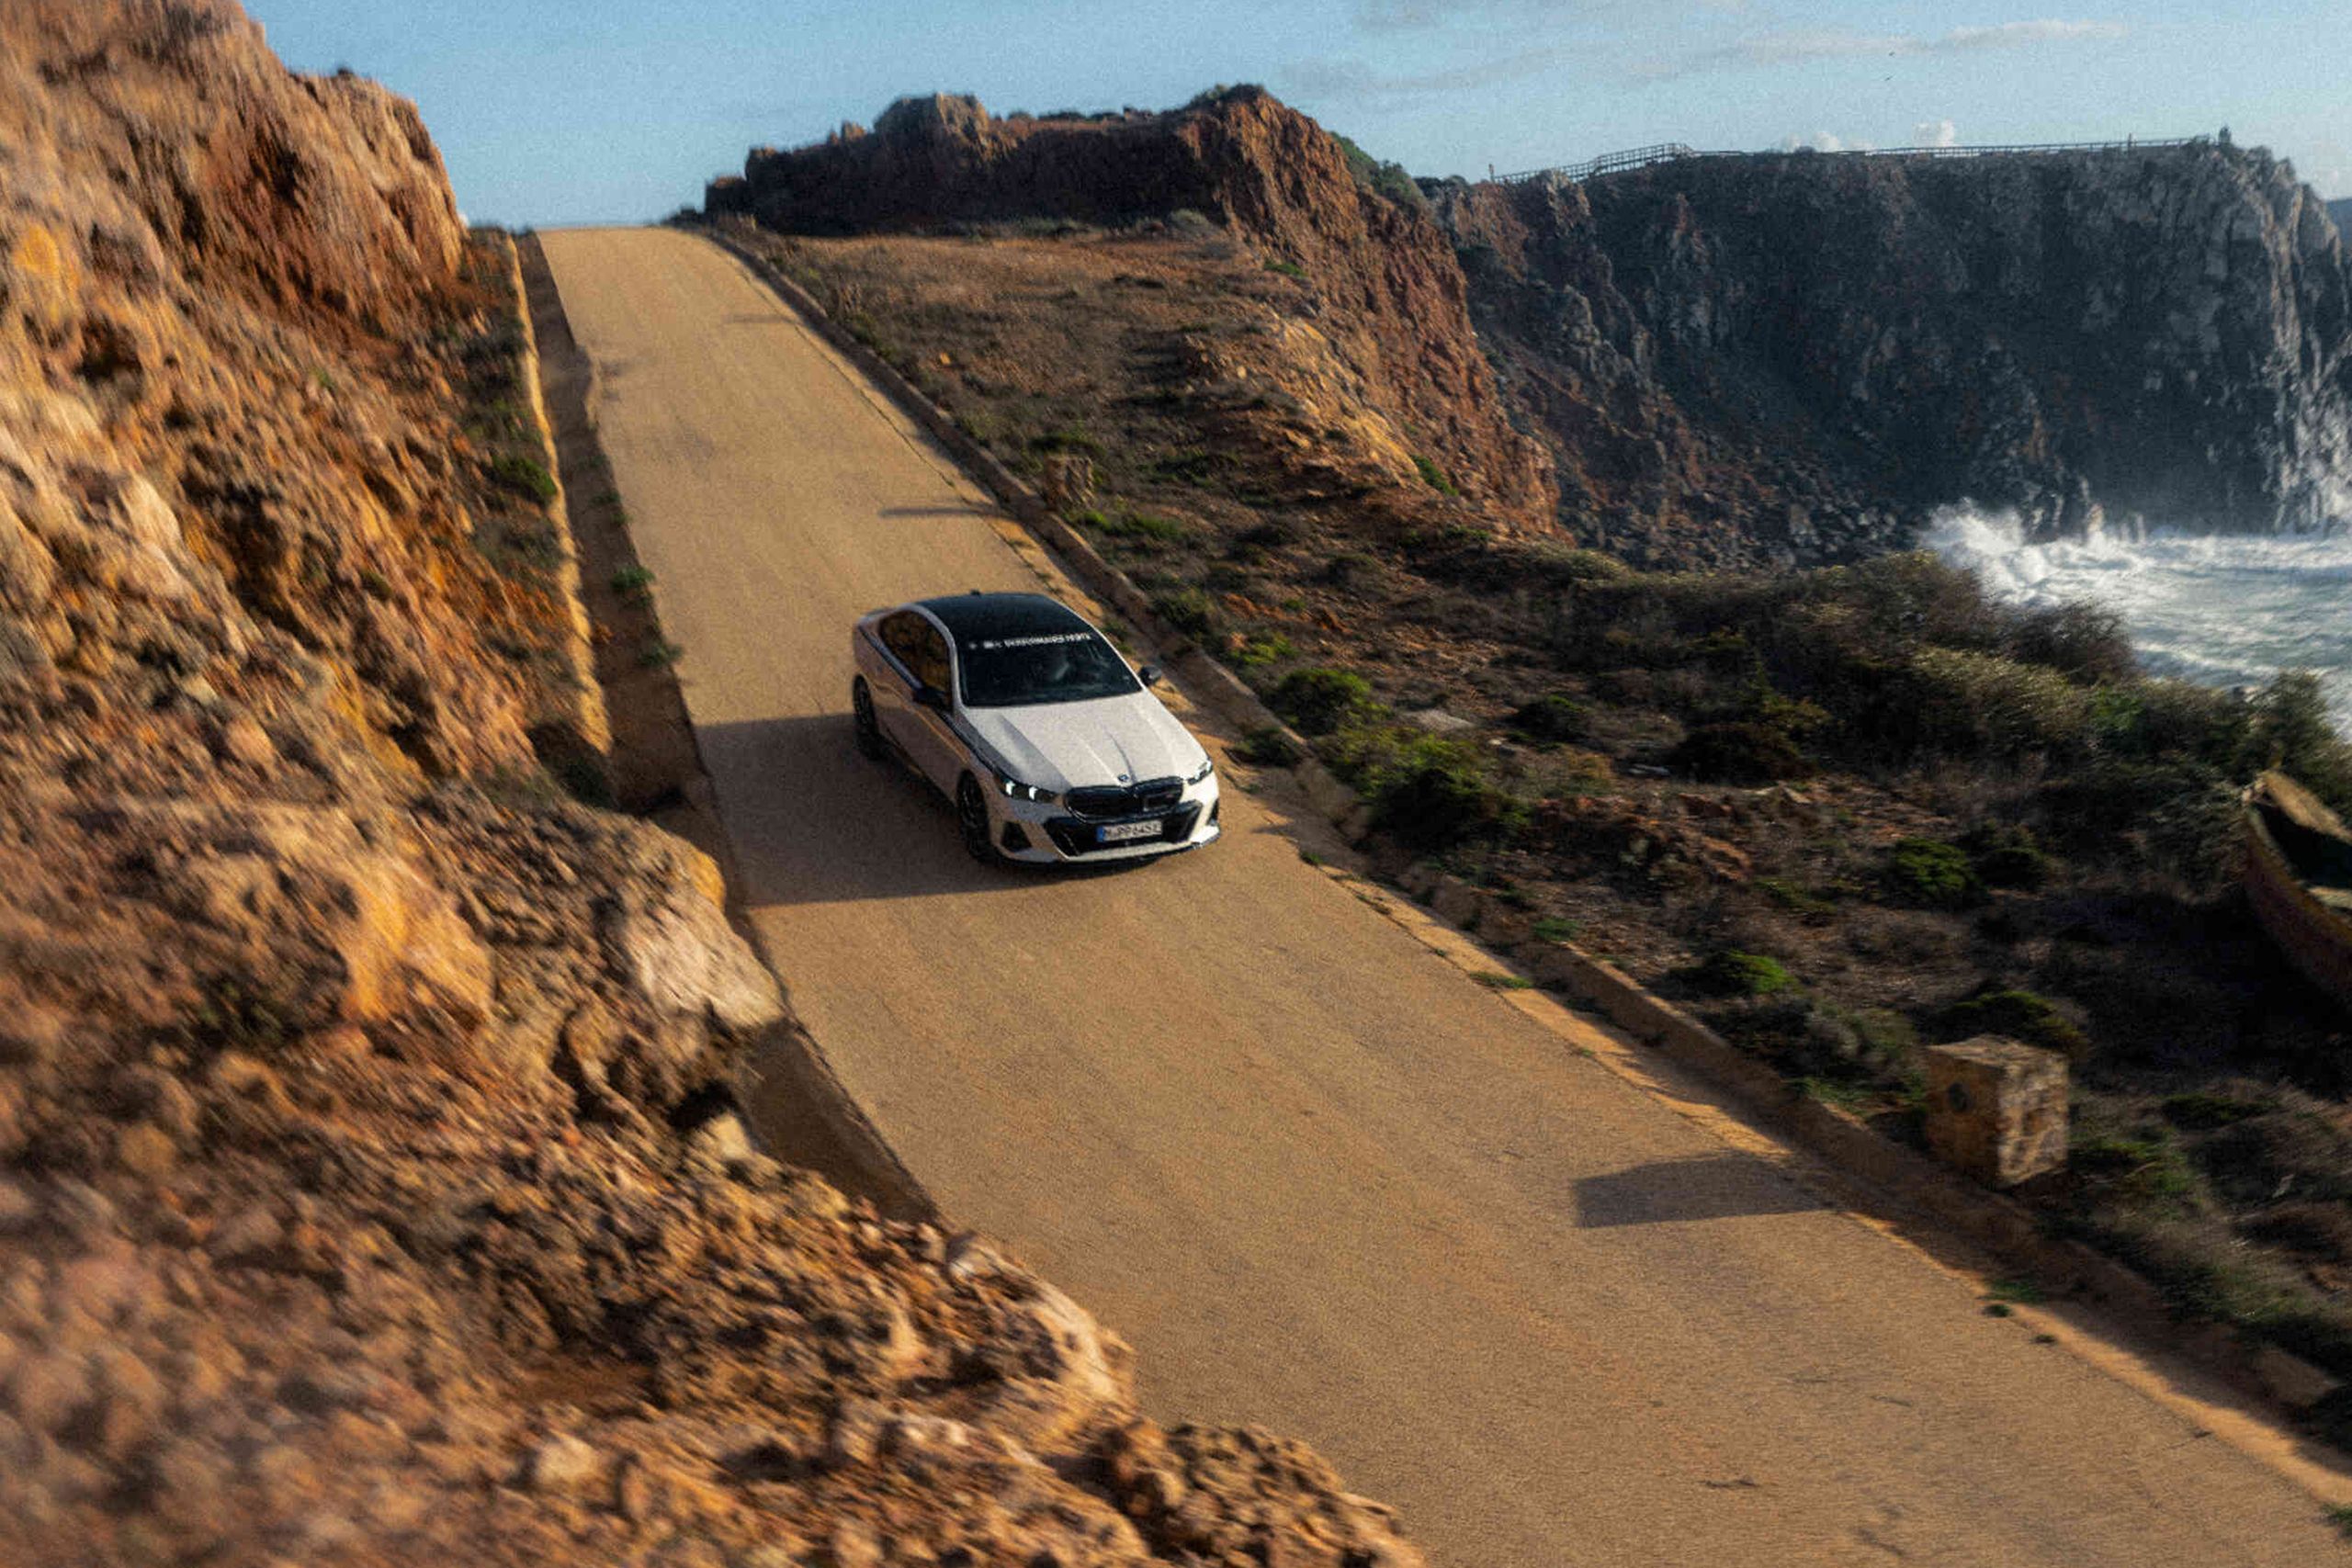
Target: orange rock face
366 1191
1385 272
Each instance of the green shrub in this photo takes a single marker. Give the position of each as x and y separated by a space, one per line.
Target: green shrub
1067 438
2086 641
1428 792
1555 716
1434 476
2200 1110
1269 748
1552 928
2144 1163
1762 702
524 476
1386 179
2020 1015
1290 269
1320 701
1740 753
2293 731
1188 610
633 582
1932 872
2006 854
1207 100
1143 525
1269 648
1733 974
1970 704
1556 565
1795 899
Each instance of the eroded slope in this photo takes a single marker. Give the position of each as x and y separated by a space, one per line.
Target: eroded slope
369 1191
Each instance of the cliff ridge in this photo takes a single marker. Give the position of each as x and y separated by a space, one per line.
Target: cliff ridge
1795 357
1390 295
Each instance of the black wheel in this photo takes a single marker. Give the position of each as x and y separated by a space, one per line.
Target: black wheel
869 730
972 820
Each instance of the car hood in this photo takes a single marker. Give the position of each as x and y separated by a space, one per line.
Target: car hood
1065 746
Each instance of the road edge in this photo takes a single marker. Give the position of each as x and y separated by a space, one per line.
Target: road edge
795 1100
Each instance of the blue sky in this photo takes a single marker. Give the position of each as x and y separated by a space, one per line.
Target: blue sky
601 110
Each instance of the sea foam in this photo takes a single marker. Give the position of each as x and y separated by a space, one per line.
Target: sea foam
2219 609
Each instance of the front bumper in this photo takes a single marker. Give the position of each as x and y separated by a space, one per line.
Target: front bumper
1051 835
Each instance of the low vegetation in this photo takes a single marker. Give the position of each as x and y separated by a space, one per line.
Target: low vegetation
1838 813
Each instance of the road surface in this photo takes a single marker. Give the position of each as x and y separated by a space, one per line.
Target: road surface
1321 1179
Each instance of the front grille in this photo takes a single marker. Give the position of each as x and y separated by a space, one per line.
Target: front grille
1073 836
1097 803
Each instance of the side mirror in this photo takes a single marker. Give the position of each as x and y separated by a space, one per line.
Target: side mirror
1148 674
931 698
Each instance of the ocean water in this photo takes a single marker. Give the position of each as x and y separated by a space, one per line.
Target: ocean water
2219 609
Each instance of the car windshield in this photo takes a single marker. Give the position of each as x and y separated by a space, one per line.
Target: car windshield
1018 670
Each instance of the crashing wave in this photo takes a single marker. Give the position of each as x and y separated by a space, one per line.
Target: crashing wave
2218 609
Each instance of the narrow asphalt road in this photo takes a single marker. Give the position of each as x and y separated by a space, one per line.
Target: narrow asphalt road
1320 1177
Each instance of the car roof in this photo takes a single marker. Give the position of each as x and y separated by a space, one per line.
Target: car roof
971 618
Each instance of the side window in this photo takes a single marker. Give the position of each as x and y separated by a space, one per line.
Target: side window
930 661
900 635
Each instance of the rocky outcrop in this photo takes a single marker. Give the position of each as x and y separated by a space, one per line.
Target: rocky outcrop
369 1188
1388 288
1794 357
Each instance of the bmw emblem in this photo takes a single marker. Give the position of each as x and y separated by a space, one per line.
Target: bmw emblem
1123 779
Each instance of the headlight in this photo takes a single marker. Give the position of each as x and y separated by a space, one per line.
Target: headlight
1020 791
1208 766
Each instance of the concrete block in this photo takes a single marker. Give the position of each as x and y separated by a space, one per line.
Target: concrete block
1996 1108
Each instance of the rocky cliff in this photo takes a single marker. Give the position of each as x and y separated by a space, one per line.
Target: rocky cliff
1389 293
1795 357
367 1192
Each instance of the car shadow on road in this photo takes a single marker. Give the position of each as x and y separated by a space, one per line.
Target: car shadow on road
811 821
1707 1186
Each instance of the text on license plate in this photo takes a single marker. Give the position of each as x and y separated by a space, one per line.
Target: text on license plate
1121 832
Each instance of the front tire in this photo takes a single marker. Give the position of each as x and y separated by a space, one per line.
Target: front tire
869 729
972 822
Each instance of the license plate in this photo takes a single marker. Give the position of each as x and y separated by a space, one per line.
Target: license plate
1126 833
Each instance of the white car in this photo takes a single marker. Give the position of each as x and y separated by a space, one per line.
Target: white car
1051 748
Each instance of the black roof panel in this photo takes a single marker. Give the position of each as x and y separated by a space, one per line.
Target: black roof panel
969 616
